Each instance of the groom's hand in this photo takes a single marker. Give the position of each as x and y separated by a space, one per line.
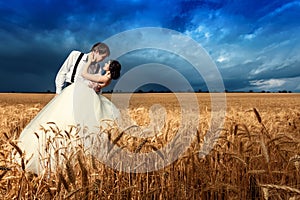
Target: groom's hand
98 87
93 58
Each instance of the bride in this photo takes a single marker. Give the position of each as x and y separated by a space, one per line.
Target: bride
70 118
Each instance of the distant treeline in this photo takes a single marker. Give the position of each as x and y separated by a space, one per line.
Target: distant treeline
168 91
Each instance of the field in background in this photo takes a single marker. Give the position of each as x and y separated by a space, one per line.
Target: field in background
257 155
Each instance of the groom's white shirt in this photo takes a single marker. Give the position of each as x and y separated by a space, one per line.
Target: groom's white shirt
66 70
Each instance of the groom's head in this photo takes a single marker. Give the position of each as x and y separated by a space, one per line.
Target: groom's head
101 51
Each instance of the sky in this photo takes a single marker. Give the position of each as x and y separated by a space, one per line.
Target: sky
254 44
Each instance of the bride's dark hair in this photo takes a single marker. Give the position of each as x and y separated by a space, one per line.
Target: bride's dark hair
114 68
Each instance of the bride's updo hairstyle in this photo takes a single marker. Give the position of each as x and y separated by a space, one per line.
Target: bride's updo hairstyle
114 68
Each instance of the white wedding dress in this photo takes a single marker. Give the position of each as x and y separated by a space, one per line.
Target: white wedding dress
77 116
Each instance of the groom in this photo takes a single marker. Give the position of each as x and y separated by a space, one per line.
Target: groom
70 71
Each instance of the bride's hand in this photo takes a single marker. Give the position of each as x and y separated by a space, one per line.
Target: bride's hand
107 73
92 57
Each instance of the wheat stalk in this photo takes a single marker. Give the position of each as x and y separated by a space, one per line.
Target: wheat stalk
281 187
84 175
63 181
70 172
138 149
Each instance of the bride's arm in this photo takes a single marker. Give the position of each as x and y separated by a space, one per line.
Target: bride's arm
93 77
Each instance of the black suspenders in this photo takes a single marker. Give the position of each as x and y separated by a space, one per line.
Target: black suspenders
75 67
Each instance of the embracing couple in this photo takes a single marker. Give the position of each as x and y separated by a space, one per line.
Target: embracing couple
78 111
85 67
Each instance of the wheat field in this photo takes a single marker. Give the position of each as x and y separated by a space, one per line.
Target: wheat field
255 156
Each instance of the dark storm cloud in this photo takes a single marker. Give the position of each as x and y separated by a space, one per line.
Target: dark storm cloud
253 43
